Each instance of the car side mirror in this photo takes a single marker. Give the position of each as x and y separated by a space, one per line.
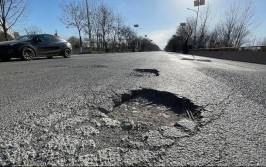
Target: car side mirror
39 40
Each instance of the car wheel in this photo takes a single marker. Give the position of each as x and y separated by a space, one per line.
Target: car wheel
67 53
49 57
27 53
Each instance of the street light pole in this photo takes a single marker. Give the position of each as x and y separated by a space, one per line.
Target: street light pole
145 43
136 26
197 11
196 27
197 3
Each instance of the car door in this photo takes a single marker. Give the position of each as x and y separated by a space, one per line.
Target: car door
42 45
55 46
47 45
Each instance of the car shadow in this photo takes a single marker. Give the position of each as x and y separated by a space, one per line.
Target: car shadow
38 58
10 61
203 60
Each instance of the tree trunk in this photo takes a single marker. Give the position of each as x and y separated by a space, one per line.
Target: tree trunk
89 24
5 30
80 40
6 34
97 40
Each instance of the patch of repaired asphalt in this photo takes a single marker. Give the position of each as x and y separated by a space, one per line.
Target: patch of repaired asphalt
102 128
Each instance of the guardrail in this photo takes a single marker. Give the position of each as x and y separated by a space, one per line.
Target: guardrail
251 54
236 49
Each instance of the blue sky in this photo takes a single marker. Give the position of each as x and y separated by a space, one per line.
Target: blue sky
157 18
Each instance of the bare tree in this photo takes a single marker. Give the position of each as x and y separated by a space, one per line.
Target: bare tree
105 22
203 28
201 38
246 24
32 30
235 28
238 24
119 22
262 42
229 24
103 27
186 32
11 11
73 16
215 38
128 38
96 30
74 41
114 34
91 8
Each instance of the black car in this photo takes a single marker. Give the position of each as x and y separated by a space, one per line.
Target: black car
30 46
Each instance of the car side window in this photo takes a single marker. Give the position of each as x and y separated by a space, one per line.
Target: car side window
44 38
54 39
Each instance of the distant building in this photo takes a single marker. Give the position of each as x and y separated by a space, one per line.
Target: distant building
11 34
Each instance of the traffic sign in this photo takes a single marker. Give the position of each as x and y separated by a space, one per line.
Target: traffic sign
199 2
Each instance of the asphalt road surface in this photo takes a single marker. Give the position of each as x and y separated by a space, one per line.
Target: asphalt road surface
151 108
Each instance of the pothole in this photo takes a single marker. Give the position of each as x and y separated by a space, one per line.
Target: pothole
145 72
147 118
156 107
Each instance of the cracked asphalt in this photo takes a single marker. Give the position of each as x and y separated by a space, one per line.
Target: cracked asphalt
81 111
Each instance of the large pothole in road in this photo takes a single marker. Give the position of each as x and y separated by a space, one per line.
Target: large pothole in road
145 72
155 109
147 118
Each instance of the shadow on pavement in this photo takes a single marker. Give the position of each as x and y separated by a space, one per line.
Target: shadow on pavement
179 105
203 60
10 61
38 58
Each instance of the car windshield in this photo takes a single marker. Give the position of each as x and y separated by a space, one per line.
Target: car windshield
25 38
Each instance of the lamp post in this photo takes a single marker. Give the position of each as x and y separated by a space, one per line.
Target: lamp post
136 26
145 43
197 3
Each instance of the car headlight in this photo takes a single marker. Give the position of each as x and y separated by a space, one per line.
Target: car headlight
69 45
